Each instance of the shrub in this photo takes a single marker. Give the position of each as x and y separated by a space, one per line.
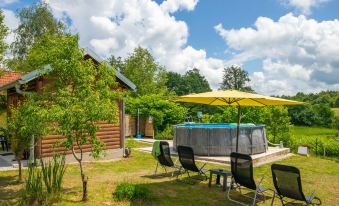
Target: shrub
167 133
131 143
327 146
130 191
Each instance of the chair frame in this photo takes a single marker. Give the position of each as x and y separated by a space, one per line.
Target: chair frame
169 162
200 170
256 187
307 199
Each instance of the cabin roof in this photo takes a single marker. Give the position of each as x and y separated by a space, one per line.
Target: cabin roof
14 78
8 77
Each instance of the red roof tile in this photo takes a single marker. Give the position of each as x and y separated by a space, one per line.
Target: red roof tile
9 77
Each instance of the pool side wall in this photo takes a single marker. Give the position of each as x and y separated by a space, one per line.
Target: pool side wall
221 141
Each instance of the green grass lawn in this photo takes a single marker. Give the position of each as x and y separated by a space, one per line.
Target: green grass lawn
313 131
317 173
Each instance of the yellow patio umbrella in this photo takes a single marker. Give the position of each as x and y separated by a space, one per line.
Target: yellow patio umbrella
234 98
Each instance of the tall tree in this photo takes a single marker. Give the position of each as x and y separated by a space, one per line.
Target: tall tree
116 62
80 95
277 123
144 72
35 21
235 77
191 82
3 34
175 82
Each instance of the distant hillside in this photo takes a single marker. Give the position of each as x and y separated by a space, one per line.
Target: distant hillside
330 98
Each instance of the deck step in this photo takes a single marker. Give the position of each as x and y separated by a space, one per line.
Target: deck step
273 154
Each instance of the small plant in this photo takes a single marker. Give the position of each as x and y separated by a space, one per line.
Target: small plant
167 133
33 193
43 185
130 143
130 191
53 173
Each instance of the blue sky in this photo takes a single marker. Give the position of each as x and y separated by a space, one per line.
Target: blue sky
289 50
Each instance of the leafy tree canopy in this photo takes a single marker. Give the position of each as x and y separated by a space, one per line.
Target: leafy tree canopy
81 94
191 82
164 112
143 71
25 123
235 77
3 34
35 21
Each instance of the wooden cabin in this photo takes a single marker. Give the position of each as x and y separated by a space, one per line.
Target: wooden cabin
111 134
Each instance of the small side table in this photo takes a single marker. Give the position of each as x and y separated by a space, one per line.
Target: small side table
220 172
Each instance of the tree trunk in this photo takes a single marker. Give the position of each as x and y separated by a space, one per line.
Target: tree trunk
84 183
83 177
20 171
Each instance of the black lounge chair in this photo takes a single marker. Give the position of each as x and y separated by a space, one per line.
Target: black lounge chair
287 183
186 158
242 176
164 159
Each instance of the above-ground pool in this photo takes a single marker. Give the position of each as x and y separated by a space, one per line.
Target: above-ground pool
220 139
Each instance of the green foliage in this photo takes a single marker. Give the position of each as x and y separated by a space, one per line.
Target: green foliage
44 186
35 21
81 94
130 191
318 110
131 143
163 112
191 82
116 62
235 77
277 124
3 34
3 101
329 98
312 115
26 122
323 141
167 133
144 72
336 103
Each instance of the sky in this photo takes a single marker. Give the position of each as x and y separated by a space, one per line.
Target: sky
286 46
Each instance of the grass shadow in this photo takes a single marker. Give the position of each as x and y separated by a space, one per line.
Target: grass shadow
10 190
173 192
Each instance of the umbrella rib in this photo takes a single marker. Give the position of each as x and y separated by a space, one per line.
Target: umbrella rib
258 102
213 100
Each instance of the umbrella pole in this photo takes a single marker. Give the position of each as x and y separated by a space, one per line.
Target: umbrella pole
238 129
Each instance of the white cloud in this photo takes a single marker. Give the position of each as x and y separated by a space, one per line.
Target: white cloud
117 27
3 2
304 6
12 22
175 5
299 54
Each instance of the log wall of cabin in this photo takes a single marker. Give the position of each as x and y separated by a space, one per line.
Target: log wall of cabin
109 134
